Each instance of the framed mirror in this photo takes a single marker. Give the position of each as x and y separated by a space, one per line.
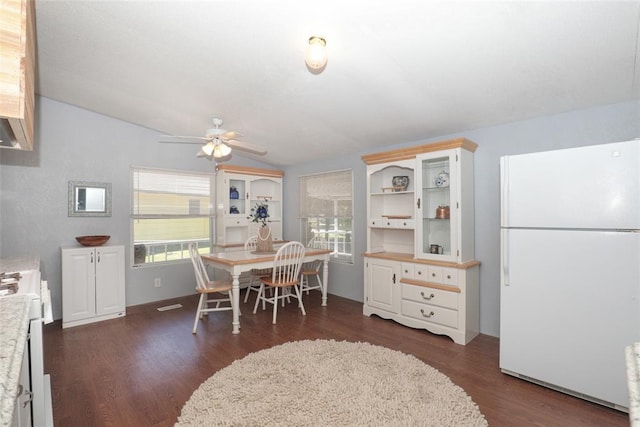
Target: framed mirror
89 198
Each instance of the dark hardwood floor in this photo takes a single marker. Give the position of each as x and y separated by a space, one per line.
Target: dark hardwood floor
140 370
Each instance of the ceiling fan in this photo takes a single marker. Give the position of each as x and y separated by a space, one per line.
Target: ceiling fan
217 142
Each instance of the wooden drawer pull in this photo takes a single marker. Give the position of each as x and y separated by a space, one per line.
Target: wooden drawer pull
425 297
431 313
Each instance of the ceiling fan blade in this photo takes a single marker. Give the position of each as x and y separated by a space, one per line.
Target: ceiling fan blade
230 135
246 147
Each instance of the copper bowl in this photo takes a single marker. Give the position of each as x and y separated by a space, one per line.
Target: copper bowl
92 240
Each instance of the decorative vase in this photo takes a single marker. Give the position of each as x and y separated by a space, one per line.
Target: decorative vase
264 243
233 193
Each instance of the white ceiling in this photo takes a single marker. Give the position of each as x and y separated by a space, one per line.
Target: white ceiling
398 71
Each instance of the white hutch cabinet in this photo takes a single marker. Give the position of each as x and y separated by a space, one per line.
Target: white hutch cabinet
93 284
419 266
238 189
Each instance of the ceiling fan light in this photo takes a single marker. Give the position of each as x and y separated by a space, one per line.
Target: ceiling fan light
221 150
209 148
315 55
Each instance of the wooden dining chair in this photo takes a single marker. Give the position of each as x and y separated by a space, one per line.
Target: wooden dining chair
311 270
285 275
255 273
205 287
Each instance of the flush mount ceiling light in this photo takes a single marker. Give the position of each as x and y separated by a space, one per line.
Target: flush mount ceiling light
316 54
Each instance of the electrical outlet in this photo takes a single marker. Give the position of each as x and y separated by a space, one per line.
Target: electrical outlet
157 282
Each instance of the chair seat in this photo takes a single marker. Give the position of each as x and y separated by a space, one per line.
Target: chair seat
277 284
216 286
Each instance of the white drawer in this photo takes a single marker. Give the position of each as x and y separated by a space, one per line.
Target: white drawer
430 313
434 274
406 223
390 223
450 276
407 270
236 221
420 272
432 296
376 222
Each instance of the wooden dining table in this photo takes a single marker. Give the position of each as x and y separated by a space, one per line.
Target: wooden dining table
238 262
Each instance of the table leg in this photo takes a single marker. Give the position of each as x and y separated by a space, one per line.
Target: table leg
325 277
236 303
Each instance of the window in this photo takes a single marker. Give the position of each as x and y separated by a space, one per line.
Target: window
169 210
326 208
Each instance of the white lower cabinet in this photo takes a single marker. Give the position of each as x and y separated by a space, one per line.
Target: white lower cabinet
22 407
382 277
93 285
441 299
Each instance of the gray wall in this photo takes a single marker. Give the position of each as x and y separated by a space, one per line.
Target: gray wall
618 122
75 144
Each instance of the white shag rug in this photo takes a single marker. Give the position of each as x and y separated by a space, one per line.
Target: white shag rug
329 383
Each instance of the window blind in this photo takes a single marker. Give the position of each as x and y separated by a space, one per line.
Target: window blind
326 213
326 195
171 193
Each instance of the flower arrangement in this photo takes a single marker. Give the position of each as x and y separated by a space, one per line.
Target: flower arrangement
260 214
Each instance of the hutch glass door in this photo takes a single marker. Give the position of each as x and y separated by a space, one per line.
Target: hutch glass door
436 238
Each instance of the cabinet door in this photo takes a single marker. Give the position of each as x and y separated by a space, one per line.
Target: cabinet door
237 194
22 407
78 284
436 200
231 208
382 284
110 289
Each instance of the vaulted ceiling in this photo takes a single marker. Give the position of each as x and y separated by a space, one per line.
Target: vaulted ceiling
398 71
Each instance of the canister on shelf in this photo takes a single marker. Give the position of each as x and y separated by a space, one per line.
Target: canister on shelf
442 212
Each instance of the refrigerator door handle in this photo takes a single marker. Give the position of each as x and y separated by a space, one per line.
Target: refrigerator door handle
504 252
504 190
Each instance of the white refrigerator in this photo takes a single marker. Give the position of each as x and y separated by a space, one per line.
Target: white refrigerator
570 268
